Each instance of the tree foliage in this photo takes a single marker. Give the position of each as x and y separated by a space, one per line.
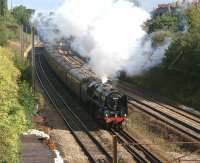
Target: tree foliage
184 52
3 7
193 17
166 22
9 30
22 14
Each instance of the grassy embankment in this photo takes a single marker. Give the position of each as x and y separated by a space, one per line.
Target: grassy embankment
16 100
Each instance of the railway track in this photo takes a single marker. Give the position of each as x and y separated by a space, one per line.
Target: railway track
92 148
138 151
180 119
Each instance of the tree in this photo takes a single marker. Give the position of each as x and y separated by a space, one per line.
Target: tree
22 14
3 7
166 22
184 52
193 17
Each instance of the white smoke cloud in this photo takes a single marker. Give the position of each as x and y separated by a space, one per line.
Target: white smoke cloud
109 32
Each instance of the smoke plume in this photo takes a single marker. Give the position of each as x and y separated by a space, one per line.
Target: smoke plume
109 32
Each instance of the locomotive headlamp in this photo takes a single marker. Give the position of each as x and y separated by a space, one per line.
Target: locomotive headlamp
106 113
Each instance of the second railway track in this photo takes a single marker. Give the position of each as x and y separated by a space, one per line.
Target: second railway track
138 151
181 120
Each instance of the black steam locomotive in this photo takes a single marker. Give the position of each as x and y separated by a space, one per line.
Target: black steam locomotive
106 103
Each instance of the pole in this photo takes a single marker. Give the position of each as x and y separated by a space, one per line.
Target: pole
114 149
33 59
11 6
25 37
22 40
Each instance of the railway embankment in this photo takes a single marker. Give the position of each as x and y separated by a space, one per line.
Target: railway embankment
16 104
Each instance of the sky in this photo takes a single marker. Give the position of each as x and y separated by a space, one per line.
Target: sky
39 5
51 5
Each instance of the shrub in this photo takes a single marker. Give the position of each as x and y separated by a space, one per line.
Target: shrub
3 34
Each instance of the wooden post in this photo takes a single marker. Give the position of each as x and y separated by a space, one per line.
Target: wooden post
21 41
114 149
33 59
25 37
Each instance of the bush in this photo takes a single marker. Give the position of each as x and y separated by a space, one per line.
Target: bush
24 67
3 34
160 36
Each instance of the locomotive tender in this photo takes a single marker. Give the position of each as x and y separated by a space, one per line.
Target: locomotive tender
106 103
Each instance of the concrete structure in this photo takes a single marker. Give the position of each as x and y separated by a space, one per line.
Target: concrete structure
165 8
173 7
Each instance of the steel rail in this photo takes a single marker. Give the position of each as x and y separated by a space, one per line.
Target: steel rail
186 111
189 125
138 151
132 150
183 128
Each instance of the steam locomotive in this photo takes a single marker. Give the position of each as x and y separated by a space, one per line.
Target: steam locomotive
107 104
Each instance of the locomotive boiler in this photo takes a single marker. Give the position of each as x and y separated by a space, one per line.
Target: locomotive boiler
103 101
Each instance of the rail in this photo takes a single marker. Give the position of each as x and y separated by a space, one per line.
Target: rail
183 121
